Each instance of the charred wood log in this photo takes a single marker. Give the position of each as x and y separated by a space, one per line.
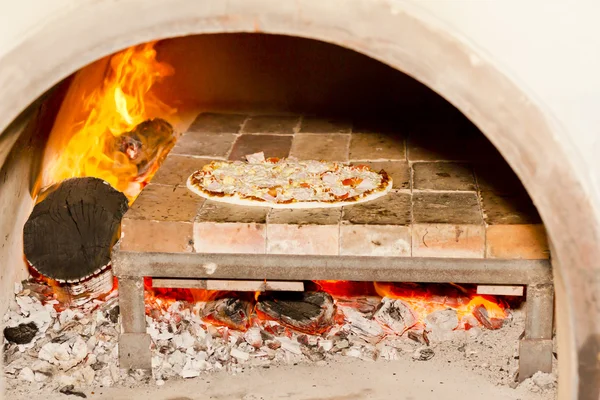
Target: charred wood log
307 312
482 315
21 334
70 233
231 312
145 146
396 315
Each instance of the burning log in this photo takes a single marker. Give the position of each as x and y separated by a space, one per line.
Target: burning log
396 315
366 328
70 233
482 315
231 312
307 312
145 146
366 305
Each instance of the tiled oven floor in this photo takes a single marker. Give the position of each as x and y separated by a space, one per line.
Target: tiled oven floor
453 195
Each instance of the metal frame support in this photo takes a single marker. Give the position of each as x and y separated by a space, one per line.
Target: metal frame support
134 342
535 349
291 267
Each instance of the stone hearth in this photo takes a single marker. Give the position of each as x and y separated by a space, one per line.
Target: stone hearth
453 195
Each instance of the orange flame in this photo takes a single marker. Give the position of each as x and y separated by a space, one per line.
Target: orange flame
346 288
424 302
106 99
423 299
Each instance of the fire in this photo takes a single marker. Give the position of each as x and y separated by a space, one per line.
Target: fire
164 297
106 99
347 288
425 301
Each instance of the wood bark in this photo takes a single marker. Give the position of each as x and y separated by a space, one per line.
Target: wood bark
70 234
307 312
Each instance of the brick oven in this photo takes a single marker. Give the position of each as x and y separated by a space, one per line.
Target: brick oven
458 224
456 214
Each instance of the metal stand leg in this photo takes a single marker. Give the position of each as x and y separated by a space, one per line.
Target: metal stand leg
134 342
535 350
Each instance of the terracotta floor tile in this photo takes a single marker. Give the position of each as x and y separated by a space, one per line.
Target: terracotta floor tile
303 239
214 211
217 123
528 241
446 208
177 168
429 150
271 145
321 146
448 240
303 231
501 209
377 147
215 145
443 176
156 236
398 170
310 216
375 240
325 125
283 124
165 203
227 237
227 228
391 209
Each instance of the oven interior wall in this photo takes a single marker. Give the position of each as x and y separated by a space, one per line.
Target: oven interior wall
15 205
21 147
284 74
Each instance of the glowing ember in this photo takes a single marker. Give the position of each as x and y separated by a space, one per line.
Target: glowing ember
347 288
163 298
425 299
422 300
105 100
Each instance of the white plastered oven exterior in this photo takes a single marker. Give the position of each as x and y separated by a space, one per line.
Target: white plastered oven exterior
525 72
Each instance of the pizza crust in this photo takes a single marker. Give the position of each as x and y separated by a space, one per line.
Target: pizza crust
289 178
237 200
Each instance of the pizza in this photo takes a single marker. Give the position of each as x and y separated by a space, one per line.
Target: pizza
288 182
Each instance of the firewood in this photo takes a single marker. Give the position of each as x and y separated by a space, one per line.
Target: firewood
145 146
231 312
481 313
396 315
70 233
307 312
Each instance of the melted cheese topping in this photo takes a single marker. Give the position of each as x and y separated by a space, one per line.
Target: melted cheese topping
287 180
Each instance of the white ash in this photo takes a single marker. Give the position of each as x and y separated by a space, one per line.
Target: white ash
79 346
396 315
73 347
440 325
